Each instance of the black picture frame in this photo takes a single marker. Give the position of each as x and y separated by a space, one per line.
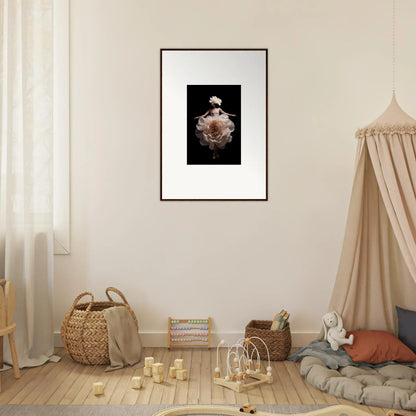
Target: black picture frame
230 155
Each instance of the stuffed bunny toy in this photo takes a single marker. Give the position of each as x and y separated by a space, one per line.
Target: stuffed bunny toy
334 332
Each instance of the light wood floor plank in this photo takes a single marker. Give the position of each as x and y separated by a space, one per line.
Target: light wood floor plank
99 376
230 397
206 377
378 411
145 393
86 388
157 391
68 382
126 395
42 391
255 396
59 373
122 382
182 387
171 383
31 385
288 387
297 381
317 395
278 389
69 378
194 392
217 392
77 385
266 389
11 386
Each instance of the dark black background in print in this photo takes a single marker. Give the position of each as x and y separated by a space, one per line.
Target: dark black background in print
197 104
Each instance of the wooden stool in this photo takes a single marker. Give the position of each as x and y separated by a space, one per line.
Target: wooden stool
7 326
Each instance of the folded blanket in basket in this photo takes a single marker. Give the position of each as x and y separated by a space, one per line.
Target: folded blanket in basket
124 345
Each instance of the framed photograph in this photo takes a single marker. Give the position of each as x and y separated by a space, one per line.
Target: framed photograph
213 124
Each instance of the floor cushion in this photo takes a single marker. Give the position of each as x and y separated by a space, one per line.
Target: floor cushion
392 386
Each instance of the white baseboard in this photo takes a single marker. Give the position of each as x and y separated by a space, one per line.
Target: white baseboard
159 339
57 341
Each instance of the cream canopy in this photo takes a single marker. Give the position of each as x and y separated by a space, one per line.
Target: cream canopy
377 269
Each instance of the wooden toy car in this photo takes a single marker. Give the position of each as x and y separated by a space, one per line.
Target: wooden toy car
393 413
248 408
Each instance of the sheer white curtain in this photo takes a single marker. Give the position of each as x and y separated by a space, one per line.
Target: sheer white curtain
26 228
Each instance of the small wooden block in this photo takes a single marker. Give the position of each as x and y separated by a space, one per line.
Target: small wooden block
98 388
158 378
172 372
178 363
157 368
148 362
147 371
182 374
136 382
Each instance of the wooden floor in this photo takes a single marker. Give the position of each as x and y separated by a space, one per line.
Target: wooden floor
67 382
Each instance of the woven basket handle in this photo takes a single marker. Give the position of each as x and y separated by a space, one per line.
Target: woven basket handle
72 308
113 289
78 298
71 311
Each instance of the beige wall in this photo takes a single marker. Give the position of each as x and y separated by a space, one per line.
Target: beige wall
329 73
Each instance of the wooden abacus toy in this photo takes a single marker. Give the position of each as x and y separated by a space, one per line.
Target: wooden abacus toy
189 333
243 366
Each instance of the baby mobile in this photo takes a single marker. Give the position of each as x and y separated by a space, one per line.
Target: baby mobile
243 369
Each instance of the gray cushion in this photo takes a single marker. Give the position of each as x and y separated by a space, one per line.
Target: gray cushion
397 371
402 384
351 371
385 396
371 379
308 363
412 402
345 387
407 325
392 386
320 376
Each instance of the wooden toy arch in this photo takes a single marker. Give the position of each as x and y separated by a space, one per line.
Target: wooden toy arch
241 373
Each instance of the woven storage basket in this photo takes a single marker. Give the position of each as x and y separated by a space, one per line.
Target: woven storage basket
278 342
84 328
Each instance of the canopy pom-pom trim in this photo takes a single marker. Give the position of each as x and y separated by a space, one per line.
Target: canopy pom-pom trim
386 129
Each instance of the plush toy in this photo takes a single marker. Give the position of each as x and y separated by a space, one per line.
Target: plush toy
334 332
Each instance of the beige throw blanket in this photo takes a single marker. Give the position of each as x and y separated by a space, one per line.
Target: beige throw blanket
124 345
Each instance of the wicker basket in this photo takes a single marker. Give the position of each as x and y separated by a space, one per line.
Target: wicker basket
84 328
278 342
